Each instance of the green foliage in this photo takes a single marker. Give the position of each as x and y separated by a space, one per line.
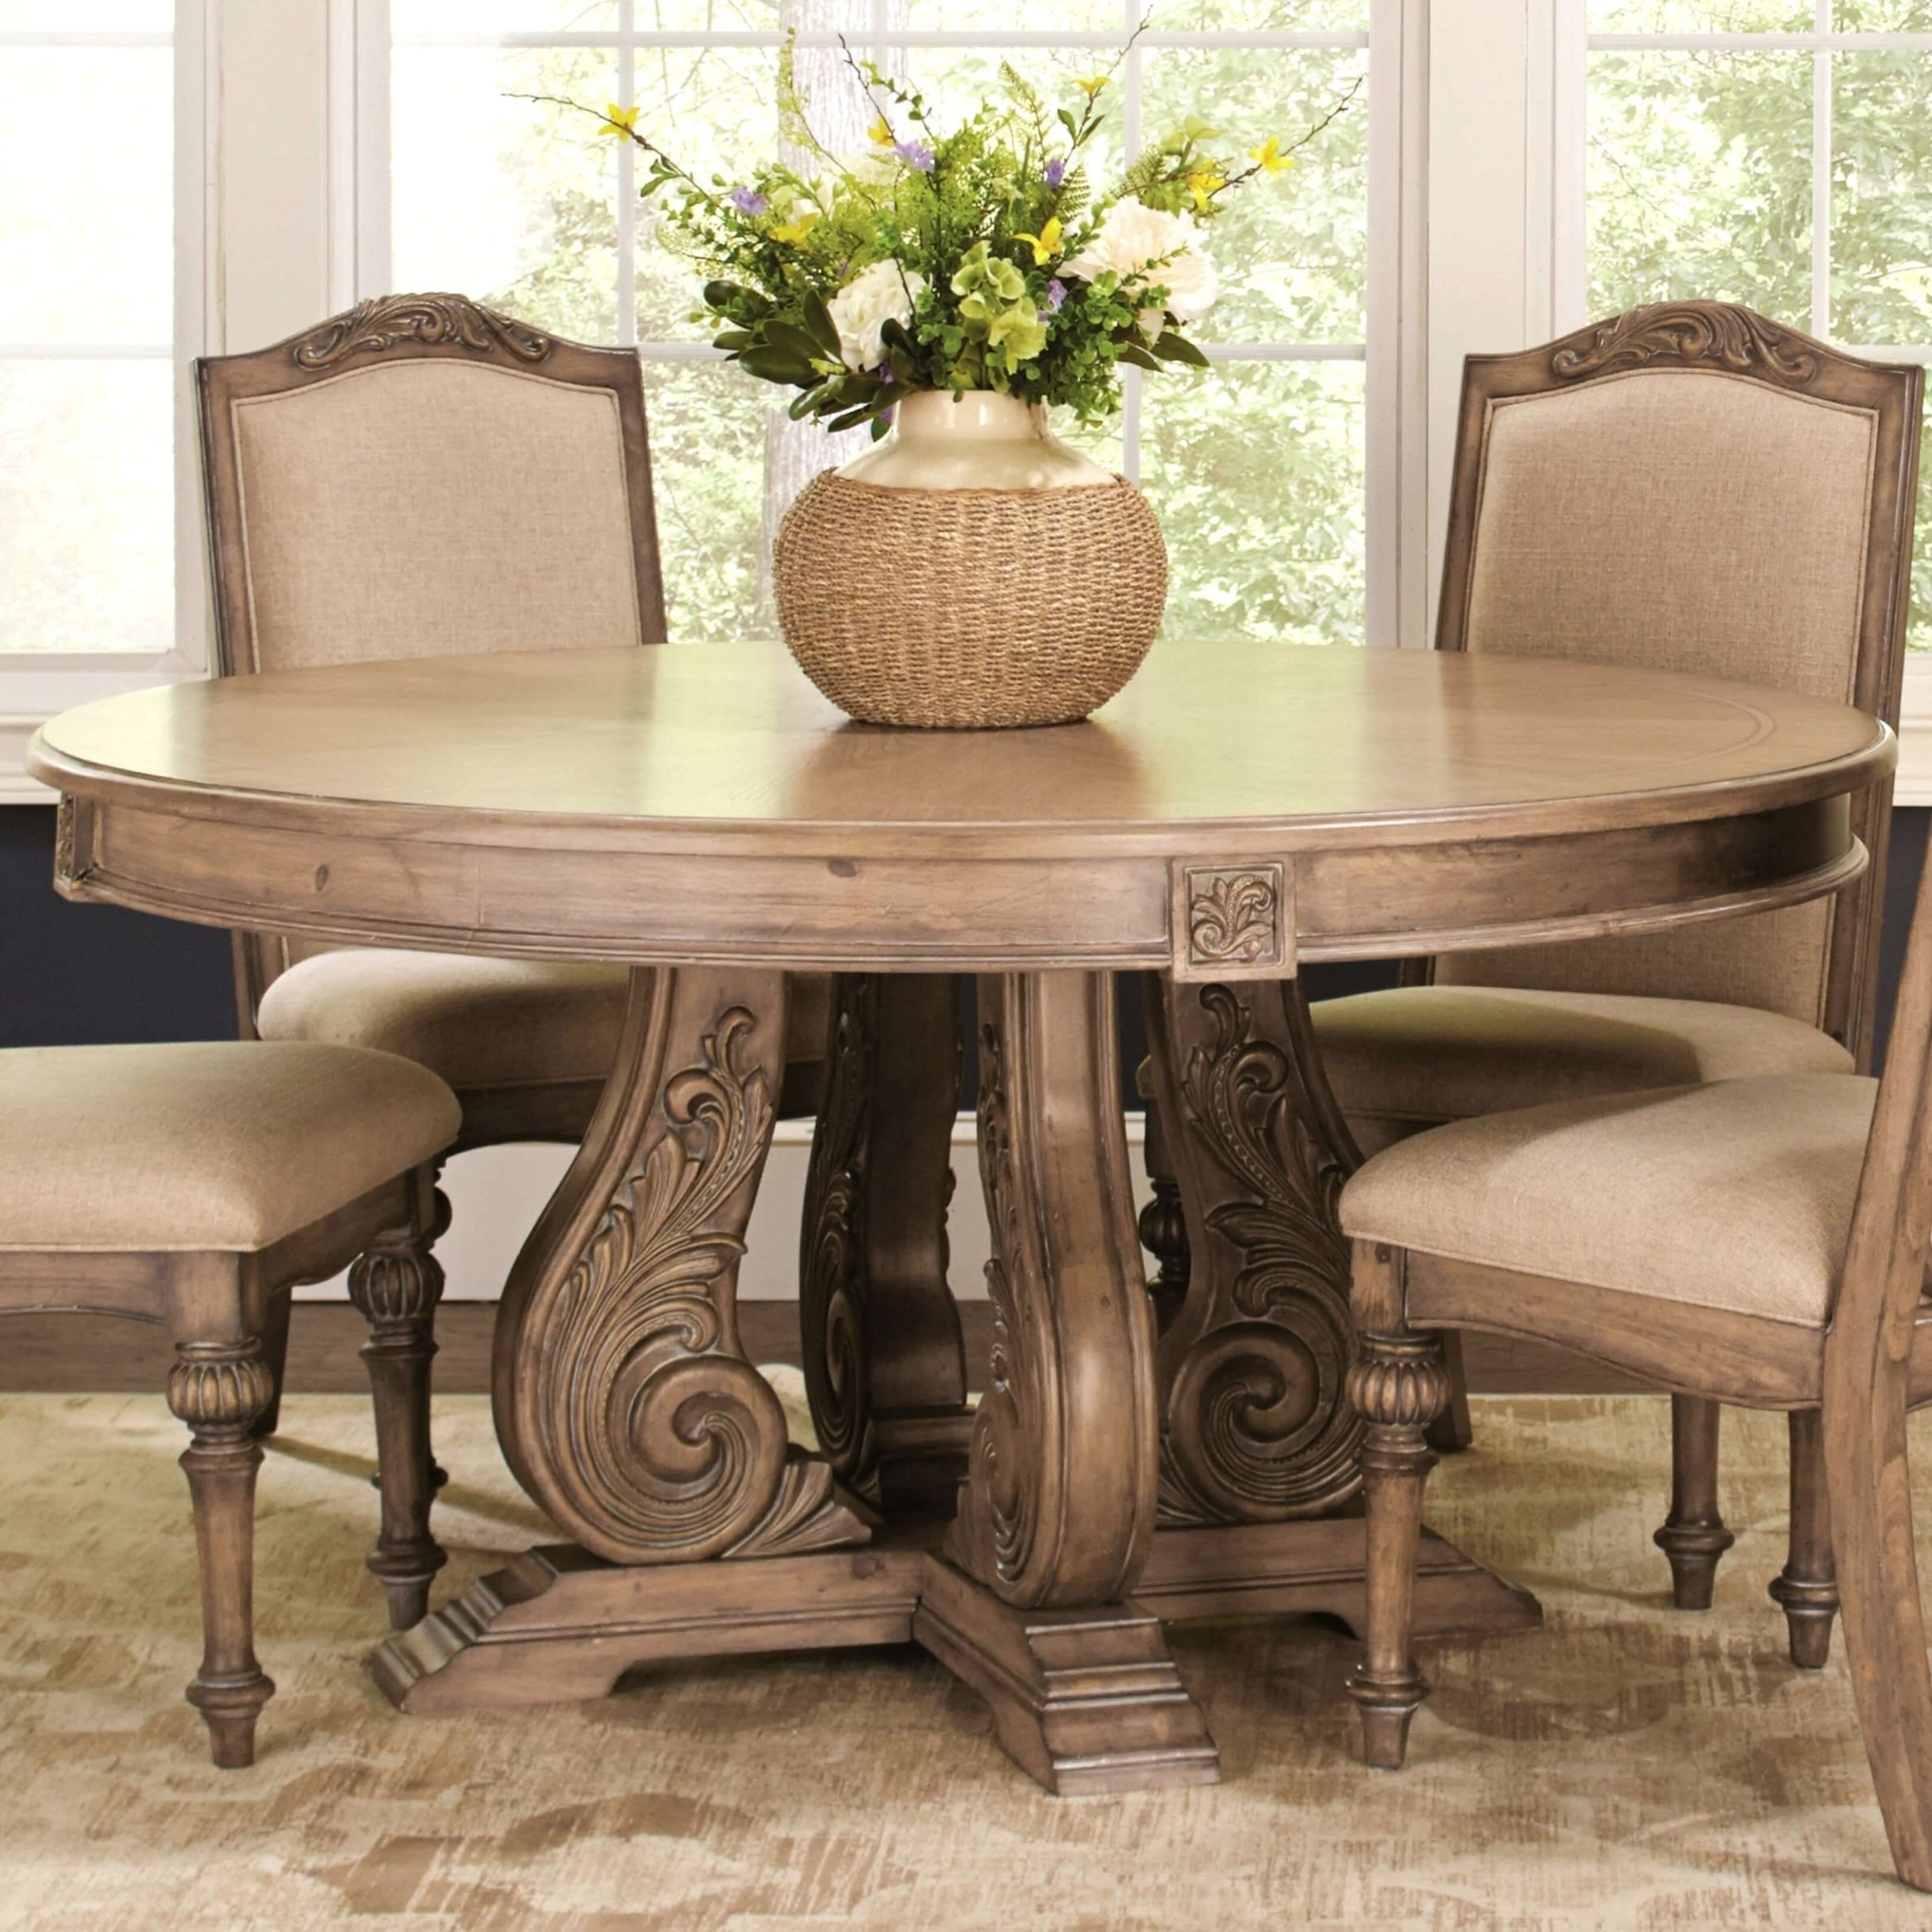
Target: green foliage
1256 469
1009 276
1700 185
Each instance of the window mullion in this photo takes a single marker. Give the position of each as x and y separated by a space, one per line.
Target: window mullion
627 179
1130 146
1821 178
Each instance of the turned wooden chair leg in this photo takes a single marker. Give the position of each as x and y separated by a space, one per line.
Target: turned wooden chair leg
1163 1221
1693 1536
1399 1385
396 1284
220 1389
274 1359
1807 1587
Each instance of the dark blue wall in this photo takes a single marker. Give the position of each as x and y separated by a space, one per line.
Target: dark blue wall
73 973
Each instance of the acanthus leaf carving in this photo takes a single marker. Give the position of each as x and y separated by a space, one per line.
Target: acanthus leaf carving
379 324
999 1515
831 1261
1258 1426
667 1447
1722 333
1233 917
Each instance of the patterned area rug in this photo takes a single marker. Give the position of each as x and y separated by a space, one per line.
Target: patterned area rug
1628 1766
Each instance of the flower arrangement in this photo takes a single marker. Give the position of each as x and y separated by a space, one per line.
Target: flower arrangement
977 259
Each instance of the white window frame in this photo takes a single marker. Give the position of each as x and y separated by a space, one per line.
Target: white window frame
34 684
1565 86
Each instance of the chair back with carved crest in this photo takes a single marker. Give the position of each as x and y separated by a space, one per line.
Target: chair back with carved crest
1692 488
422 477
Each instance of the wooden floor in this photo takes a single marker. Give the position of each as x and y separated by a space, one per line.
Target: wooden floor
88 1353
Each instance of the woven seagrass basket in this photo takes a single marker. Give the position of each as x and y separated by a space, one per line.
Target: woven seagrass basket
969 609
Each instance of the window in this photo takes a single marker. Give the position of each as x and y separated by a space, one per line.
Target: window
1774 152
101 583
1258 468
90 393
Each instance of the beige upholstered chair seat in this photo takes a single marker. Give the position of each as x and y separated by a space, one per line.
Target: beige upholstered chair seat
476 1022
1736 1195
202 1147
1415 1056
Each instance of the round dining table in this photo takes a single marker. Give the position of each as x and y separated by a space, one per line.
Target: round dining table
698 812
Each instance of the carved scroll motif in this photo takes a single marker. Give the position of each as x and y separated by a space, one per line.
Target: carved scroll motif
661 1443
1718 332
831 1263
1233 918
379 324
1000 1505
65 830
1058 1506
1258 1428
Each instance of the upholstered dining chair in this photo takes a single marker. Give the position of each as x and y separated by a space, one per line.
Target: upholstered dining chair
195 1186
1760 1240
424 477
1687 487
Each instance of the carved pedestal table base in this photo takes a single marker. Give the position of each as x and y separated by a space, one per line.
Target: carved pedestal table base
1082 1522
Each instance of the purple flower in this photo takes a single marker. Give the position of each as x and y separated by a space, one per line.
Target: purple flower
885 415
1056 294
915 154
1056 173
886 373
749 201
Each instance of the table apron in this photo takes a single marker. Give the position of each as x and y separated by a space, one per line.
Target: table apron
937 913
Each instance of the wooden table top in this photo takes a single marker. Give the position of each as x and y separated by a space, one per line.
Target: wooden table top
1232 753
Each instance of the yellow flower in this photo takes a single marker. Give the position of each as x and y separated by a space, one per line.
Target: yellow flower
881 132
803 221
1045 243
621 122
1090 87
1202 184
1269 159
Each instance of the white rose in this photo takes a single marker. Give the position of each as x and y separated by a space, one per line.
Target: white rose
860 310
1139 243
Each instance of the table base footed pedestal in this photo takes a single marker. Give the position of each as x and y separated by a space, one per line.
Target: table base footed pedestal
1086 1700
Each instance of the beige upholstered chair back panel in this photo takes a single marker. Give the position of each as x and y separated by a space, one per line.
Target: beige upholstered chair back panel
432 509
422 476
1680 515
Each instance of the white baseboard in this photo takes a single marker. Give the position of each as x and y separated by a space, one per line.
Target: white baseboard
497 1193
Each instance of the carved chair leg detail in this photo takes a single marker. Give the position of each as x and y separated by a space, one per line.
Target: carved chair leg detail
1693 1536
1807 1589
396 1284
274 1359
1399 1385
219 1389
1163 1221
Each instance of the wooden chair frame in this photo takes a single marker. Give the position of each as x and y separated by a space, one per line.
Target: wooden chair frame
220 1308
409 328
1723 339
1847 1387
